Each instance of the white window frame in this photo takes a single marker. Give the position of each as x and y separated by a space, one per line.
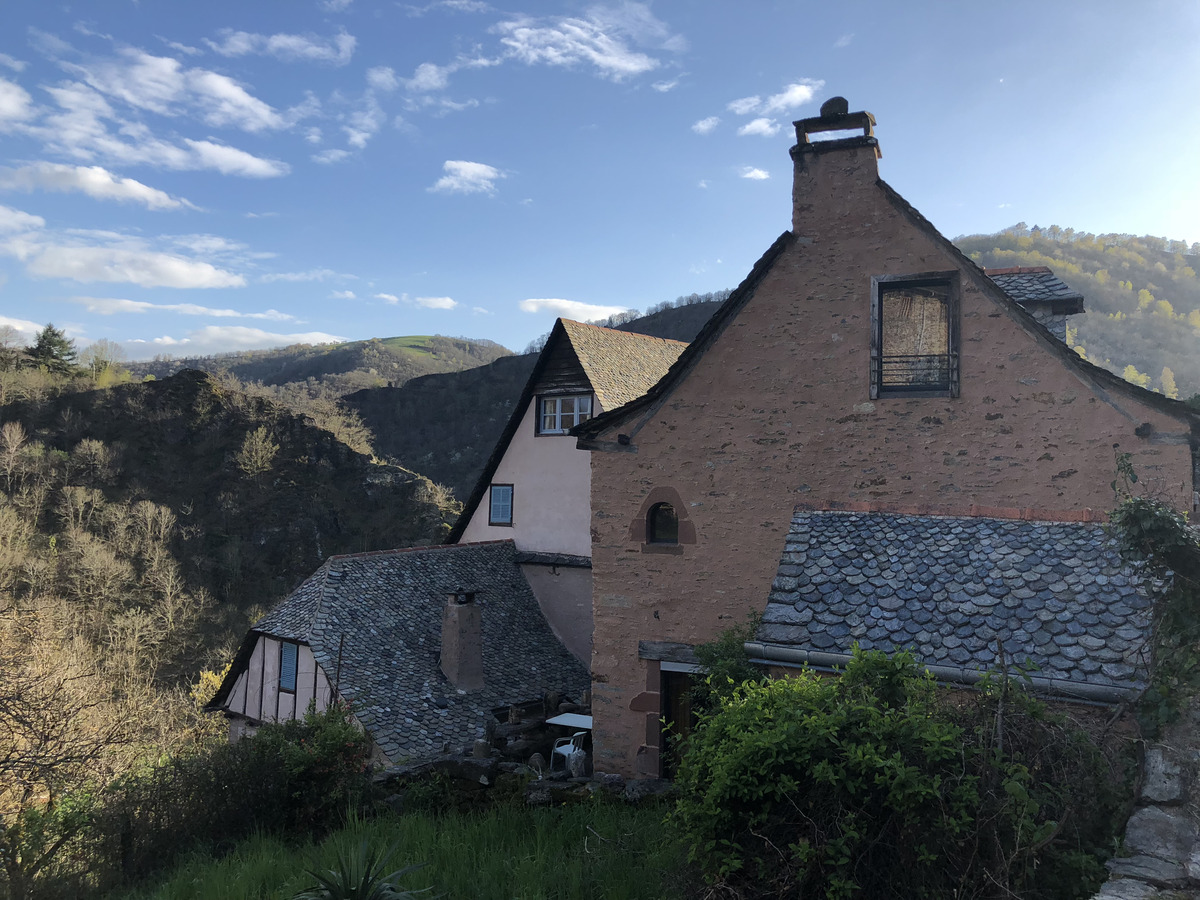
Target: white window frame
550 413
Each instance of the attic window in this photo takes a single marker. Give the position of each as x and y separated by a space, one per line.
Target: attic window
288 653
914 340
662 524
558 415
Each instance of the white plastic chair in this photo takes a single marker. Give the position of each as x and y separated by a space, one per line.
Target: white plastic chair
564 747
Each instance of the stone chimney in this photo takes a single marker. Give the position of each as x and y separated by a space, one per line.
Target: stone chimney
827 172
462 642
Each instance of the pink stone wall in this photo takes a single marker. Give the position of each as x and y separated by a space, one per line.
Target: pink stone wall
777 412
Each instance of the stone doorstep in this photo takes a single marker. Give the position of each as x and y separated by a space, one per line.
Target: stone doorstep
1166 834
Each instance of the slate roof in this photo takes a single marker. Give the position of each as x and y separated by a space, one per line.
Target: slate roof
1036 284
620 365
382 612
950 588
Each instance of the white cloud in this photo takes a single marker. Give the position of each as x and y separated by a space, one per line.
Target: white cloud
702 183
705 126
310 275
435 302
569 42
15 103
793 96
755 174
480 311
96 182
227 338
335 5
147 268
763 127
337 50
570 309
464 177
383 78
843 41
232 161
343 295
27 329
363 123
328 157
426 302
428 77
108 306
663 86
313 135
11 62
470 6
226 104
16 220
743 106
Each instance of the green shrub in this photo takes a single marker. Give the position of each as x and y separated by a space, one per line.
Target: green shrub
299 777
875 785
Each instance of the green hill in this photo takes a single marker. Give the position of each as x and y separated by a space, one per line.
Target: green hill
1142 297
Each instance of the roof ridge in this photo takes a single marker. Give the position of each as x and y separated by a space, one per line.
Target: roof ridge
969 511
398 550
634 334
1020 270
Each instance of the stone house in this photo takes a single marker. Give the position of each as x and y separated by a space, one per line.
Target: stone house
535 488
871 441
426 645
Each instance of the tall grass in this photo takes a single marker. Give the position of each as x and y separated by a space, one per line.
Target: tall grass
590 851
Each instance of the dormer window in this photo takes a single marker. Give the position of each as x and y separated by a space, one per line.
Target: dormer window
914 339
662 524
288 653
558 415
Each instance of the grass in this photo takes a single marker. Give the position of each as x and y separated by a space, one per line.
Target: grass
589 851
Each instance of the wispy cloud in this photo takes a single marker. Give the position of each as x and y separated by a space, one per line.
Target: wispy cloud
337 50
227 338
94 181
764 127
664 86
17 220
11 62
383 78
343 295
335 5
109 306
310 275
463 177
467 6
330 156
843 41
15 103
754 174
26 328
425 302
791 97
232 161
705 126
570 309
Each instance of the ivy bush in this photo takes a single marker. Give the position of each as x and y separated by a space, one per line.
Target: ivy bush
879 784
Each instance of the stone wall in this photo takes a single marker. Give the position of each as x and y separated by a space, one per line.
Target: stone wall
778 411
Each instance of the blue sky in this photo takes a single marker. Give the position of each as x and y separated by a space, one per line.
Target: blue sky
196 177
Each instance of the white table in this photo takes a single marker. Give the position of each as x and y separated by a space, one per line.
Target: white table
571 720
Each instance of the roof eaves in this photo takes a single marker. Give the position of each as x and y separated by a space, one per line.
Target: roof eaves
557 333
588 432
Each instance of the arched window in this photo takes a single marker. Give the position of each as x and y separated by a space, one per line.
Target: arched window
662 524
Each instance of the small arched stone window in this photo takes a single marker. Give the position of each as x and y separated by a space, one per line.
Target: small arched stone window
662 524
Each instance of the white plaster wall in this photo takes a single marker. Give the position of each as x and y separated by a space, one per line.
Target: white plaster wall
552 494
256 692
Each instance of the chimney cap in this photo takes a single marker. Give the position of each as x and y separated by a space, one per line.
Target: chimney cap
835 116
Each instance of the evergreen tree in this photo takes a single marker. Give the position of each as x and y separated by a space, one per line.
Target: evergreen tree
54 351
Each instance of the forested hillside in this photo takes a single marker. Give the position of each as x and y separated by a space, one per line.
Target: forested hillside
1141 294
330 371
445 426
143 526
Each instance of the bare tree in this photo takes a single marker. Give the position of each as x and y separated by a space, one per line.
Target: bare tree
258 452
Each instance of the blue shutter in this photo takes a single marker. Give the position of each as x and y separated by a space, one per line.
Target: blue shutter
287 666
